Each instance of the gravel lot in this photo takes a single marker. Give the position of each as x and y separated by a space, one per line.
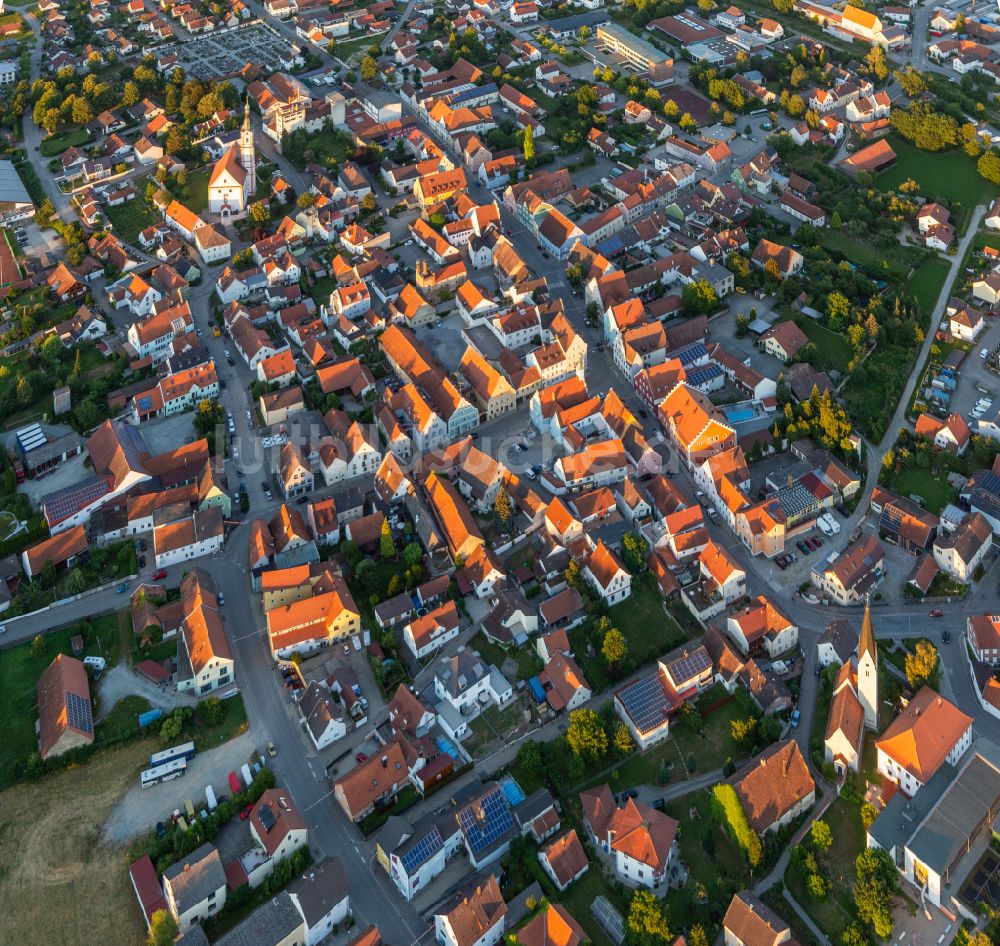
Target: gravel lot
139 809
122 681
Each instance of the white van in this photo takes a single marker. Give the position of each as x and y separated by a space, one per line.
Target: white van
831 523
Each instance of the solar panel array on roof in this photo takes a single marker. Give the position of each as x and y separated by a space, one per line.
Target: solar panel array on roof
31 438
645 701
65 502
690 666
78 713
486 821
692 353
422 851
132 443
703 375
267 818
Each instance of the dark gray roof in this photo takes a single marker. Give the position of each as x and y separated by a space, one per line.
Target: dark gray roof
204 874
195 936
268 925
895 825
967 805
841 637
537 803
319 889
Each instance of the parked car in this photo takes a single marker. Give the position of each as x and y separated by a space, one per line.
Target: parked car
946 636
245 812
122 588
361 756
159 574
271 751
984 353
937 613
796 716
660 804
142 561
629 793
161 829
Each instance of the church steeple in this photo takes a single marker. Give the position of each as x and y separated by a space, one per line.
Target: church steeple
868 669
866 643
247 156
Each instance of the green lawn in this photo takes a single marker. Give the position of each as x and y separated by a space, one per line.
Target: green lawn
717 867
528 662
710 747
360 44
900 261
196 192
130 219
833 350
836 912
57 144
926 281
649 630
932 486
19 673
950 176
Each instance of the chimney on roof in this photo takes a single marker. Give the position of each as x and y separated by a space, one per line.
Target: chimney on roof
187 867
385 762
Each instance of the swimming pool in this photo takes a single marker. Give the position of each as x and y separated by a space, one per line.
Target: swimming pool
446 746
512 791
739 414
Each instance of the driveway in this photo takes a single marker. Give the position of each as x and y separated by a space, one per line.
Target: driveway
141 808
121 681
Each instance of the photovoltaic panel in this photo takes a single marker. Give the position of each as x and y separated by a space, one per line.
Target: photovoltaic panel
422 851
78 713
645 702
66 502
487 821
685 668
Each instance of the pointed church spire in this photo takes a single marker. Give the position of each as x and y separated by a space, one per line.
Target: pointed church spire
866 643
246 114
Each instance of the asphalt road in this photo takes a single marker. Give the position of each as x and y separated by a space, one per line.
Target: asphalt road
268 707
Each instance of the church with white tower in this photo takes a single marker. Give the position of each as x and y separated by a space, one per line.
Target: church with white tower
234 178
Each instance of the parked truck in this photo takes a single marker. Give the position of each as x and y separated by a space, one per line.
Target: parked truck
247 775
210 798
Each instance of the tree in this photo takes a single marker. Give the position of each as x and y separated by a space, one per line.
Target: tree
877 881
260 212
413 554
76 582
368 202
772 271
623 739
23 392
697 936
212 711
613 647
528 144
369 68
875 60
586 735
868 814
687 123
634 551
989 166
574 576
351 553
501 505
699 297
911 81
38 647
922 665
529 760
647 920
854 935
742 730
48 576
386 547
821 835
163 929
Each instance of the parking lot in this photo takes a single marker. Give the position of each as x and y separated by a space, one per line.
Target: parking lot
224 54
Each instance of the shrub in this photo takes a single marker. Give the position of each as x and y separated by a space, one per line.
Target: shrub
730 814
